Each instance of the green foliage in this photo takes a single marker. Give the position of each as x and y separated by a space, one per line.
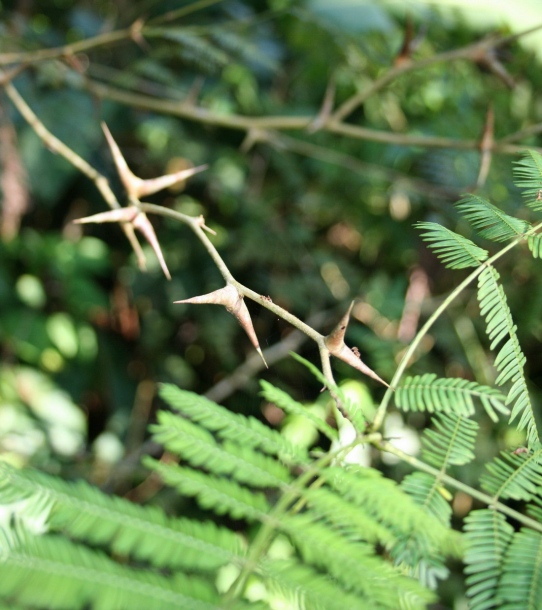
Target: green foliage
528 171
514 476
455 251
521 584
143 534
487 536
429 393
315 213
452 441
489 221
510 360
65 576
351 511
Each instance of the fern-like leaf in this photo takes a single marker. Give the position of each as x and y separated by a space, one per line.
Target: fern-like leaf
198 447
510 360
382 585
235 427
213 493
288 404
489 221
535 245
143 533
413 553
432 394
347 517
451 442
528 173
377 497
67 576
514 476
454 250
302 586
520 586
487 536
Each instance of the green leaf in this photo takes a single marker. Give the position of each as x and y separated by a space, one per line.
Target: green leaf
382 585
377 497
454 250
143 533
197 446
302 586
514 476
451 443
487 536
520 586
213 493
489 221
528 172
432 394
535 245
51 572
510 360
232 426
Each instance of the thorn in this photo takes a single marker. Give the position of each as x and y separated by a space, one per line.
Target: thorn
337 347
138 220
128 179
117 215
136 187
153 185
261 355
230 298
142 223
327 107
486 146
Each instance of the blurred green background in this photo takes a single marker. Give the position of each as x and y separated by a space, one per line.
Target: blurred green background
310 218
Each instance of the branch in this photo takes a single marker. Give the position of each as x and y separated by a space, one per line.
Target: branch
448 480
239 122
405 361
54 144
471 52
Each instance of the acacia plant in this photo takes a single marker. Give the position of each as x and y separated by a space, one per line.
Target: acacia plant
267 522
330 532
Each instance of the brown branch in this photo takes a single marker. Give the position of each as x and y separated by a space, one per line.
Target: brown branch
279 123
55 145
68 50
472 52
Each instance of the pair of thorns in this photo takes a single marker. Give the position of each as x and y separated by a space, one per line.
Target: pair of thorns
133 217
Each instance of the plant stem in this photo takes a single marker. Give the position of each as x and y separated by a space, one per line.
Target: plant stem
54 144
296 123
269 527
474 493
405 361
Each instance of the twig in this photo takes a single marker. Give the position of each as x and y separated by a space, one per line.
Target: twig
471 52
254 364
405 361
448 480
294 123
54 144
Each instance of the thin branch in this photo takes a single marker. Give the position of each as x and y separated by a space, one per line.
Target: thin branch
54 144
68 50
448 480
183 11
405 361
279 122
471 52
